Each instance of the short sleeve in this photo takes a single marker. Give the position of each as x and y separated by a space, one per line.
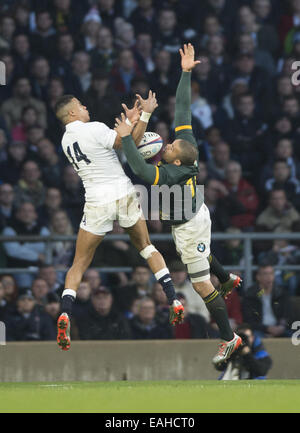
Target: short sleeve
104 136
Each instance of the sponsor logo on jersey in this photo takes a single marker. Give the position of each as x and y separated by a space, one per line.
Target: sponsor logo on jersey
201 247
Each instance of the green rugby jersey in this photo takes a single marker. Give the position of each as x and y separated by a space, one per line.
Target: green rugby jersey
182 206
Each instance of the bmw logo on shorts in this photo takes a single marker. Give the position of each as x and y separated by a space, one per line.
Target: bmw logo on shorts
201 247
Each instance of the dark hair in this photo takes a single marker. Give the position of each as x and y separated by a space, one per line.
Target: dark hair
188 152
62 102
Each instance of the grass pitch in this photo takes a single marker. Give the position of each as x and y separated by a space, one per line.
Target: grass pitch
151 397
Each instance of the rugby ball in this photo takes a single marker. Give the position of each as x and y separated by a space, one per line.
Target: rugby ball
150 145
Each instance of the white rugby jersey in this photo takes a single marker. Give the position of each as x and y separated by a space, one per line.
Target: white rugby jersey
89 148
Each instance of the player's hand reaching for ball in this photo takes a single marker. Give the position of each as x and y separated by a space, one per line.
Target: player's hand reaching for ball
133 114
150 104
122 128
188 61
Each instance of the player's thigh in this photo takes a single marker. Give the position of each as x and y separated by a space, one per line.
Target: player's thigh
86 246
193 238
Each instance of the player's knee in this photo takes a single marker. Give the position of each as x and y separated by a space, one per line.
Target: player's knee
147 252
199 271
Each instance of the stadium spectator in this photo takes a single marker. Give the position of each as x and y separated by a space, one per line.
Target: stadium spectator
7 29
29 118
81 63
82 300
219 207
143 52
279 215
25 254
162 79
282 179
231 252
104 55
43 39
62 251
200 107
50 275
23 55
162 307
264 34
50 163
194 325
168 35
101 321
246 134
284 150
40 77
52 203
216 166
263 58
266 306
245 109
144 17
144 326
52 307
109 10
61 63
90 28
29 323
138 287
124 34
11 291
243 194
30 187
40 290
7 197
12 108
93 278
102 100
124 72
73 194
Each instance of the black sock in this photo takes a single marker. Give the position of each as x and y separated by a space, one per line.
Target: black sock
168 288
67 304
217 269
217 308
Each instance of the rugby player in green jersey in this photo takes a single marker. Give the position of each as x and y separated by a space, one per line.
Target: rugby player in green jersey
192 235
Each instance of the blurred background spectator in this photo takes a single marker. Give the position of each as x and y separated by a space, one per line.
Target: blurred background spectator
245 116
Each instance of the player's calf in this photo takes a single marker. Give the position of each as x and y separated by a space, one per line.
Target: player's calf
164 278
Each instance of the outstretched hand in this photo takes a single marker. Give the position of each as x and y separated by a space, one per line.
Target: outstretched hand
188 61
150 104
133 114
122 128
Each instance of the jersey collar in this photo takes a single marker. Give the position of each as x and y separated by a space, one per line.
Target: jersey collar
73 125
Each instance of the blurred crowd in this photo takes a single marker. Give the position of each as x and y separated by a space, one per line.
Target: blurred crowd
245 114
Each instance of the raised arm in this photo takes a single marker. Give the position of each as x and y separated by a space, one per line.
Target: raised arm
183 114
145 171
140 115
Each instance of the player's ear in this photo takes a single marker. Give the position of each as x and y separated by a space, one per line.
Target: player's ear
177 162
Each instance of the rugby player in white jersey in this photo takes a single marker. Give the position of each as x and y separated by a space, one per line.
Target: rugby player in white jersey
109 195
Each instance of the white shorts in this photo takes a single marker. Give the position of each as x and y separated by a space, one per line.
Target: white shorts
192 239
99 219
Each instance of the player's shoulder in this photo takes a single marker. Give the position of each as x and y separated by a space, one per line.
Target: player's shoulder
96 125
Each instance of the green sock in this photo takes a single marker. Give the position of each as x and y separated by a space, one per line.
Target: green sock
217 269
217 308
